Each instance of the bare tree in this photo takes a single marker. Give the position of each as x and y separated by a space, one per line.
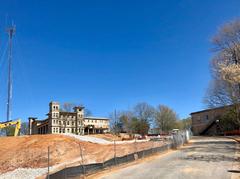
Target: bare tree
166 118
225 86
144 113
220 93
68 107
87 112
115 125
136 120
24 128
126 121
184 124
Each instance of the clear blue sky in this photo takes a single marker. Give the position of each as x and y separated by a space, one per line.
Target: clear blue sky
110 54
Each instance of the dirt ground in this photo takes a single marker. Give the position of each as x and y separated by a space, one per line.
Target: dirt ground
32 151
108 137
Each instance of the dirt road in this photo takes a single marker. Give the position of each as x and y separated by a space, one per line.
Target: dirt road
207 158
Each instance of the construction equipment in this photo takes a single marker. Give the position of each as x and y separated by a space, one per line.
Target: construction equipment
17 124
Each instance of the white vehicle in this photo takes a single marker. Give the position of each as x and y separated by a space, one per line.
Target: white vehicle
175 131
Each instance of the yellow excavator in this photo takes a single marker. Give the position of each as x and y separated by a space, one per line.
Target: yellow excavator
17 124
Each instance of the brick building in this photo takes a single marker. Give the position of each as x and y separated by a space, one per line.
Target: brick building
206 122
68 122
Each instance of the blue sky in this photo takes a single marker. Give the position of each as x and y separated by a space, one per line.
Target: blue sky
110 54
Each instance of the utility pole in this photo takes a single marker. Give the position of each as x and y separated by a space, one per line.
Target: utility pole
11 30
115 121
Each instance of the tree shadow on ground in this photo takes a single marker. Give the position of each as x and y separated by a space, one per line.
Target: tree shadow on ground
216 151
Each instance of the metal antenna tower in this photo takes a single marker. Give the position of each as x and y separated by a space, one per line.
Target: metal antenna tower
11 30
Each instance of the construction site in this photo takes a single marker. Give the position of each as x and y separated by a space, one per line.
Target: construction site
105 90
28 156
64 139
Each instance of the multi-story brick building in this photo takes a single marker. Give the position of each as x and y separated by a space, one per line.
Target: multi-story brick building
68 122
207 121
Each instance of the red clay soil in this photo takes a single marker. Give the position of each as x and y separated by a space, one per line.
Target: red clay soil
237 138
31 151
109 137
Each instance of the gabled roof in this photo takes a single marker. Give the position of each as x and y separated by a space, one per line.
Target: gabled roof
211 109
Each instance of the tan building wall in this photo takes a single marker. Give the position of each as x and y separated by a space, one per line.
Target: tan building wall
67 122
203 119
96 125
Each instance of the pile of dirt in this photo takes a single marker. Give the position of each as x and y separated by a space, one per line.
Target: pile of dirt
108 137
32 151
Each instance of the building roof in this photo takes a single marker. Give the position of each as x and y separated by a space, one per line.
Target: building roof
41 121
63 112
96 118
54 102
206 110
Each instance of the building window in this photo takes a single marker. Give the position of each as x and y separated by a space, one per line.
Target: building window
59 122
68 130
54 115
72 123
67 122
206 117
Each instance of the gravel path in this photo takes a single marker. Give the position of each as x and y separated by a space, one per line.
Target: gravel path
99 140
24 173
89 139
